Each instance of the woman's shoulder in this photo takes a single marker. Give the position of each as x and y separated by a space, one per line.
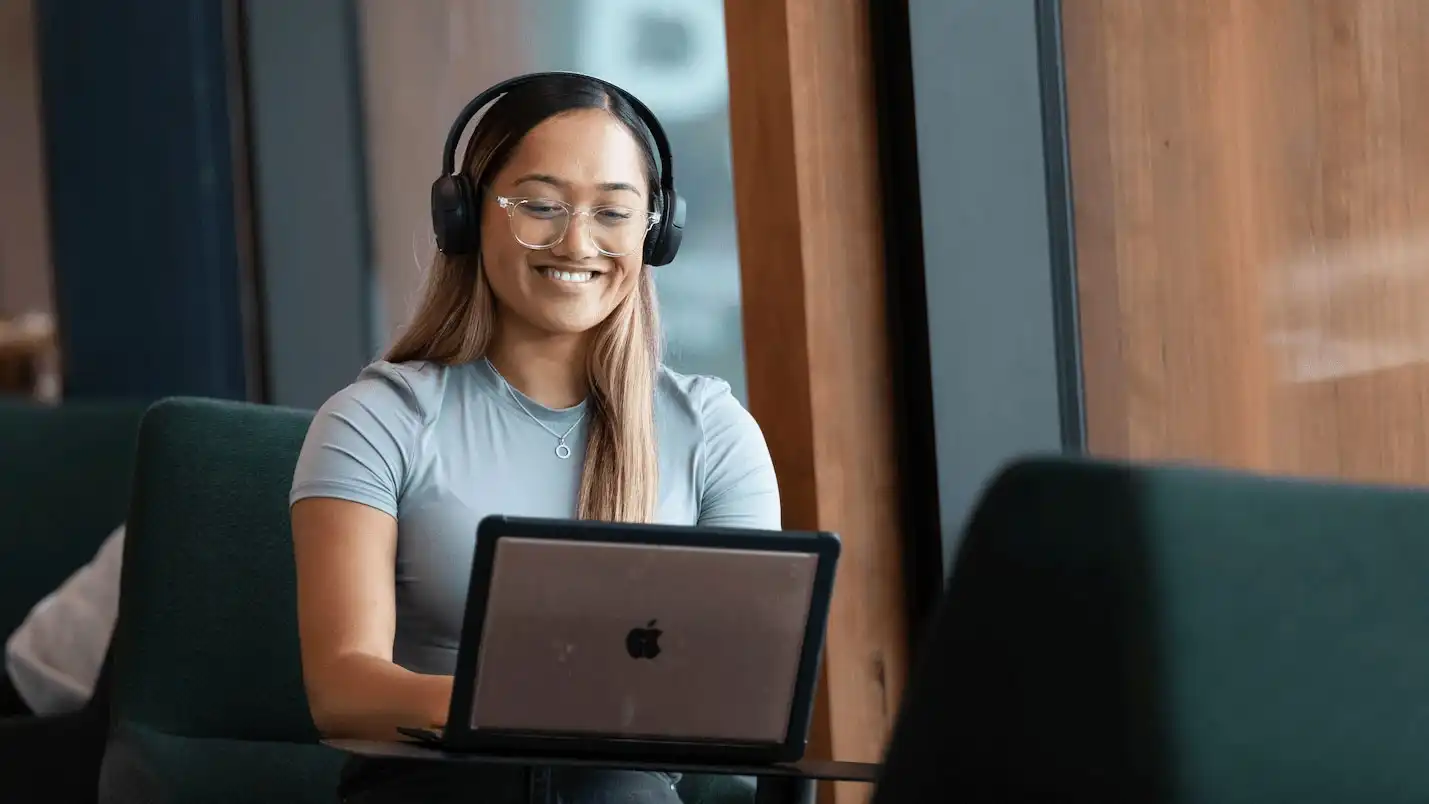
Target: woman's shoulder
708 400
735 475
413 388
691 391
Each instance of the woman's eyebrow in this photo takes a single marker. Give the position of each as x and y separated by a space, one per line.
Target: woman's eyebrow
562 184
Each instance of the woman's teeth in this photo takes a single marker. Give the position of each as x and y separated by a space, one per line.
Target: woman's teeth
569 276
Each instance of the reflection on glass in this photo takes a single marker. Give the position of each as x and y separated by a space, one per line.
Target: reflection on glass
1253 232
1310 346
423 61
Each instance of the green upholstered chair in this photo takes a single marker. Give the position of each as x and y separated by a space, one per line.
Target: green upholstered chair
1170 634
208 698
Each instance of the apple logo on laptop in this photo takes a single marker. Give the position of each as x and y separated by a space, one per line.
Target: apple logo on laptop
643 643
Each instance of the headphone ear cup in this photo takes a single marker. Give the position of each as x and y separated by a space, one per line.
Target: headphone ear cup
667 234
454 215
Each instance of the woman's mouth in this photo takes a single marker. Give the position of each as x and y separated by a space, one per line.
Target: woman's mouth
573 277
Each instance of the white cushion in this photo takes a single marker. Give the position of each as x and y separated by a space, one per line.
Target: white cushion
54 657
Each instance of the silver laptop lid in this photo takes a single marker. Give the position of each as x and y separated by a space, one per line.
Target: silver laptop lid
640 640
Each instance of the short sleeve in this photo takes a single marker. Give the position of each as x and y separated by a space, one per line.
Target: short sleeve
360 446
740 489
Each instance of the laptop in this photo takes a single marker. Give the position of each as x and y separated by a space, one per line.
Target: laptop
643 641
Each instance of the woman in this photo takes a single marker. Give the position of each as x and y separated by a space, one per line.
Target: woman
529 383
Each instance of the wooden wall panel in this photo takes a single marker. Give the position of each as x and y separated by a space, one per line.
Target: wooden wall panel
1251 181
807 197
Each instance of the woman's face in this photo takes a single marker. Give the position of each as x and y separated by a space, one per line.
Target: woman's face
587 160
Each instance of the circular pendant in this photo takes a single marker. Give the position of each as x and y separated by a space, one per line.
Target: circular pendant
562 451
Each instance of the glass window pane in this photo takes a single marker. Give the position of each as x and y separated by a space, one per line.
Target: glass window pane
1251 223
423 61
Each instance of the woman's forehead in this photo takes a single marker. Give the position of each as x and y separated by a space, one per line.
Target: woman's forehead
585 149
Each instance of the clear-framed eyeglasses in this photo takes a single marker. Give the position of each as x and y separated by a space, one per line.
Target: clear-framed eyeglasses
542 223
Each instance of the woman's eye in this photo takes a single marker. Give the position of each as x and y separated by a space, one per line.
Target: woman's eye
615 215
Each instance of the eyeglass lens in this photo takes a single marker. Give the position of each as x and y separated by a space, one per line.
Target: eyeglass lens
542 223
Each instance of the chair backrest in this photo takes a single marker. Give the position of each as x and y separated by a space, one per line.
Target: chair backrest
64 486
1169 634
206 643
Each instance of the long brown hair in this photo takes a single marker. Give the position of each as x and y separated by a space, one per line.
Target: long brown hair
456 320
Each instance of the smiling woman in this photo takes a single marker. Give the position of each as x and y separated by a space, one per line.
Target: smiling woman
529 382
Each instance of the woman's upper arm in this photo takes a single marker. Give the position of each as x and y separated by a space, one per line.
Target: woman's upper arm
345 553
740 489
349 477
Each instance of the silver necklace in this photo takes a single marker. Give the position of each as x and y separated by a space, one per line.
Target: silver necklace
562 451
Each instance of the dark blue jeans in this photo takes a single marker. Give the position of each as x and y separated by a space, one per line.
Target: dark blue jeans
368 781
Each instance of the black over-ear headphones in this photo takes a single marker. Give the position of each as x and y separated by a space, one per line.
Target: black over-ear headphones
456 210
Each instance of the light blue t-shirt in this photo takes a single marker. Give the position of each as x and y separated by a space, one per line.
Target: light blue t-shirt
439 448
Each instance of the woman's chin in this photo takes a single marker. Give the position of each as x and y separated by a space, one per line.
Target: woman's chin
568 319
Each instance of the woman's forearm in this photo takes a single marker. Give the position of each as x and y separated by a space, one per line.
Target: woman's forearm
366 697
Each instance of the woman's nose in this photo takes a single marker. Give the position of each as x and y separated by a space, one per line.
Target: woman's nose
577 244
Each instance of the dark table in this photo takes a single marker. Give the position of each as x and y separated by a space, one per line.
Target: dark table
780 783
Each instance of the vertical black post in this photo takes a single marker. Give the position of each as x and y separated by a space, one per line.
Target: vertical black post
142 113
907 311
1061 226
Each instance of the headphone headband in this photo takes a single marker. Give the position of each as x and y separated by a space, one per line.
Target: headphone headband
456 199
475 105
